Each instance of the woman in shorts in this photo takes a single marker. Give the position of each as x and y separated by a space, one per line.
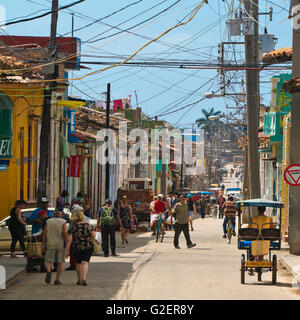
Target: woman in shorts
80 236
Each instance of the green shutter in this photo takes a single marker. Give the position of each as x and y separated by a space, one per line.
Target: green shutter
6 110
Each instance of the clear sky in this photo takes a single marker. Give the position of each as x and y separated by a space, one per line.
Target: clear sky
157 90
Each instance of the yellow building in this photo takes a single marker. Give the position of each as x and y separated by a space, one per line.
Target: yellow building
20 110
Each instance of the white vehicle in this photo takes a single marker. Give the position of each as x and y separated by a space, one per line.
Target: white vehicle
5 237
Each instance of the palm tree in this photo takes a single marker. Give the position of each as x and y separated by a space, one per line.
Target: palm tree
205 122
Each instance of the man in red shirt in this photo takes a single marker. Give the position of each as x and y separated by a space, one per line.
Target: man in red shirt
158 209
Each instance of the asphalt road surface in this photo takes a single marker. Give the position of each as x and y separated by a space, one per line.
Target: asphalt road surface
147 270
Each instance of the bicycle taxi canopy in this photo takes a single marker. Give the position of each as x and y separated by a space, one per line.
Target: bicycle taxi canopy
260 240
246 234
259 203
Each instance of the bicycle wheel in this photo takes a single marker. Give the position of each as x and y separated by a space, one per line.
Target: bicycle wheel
243 269
274 271
157 232
162 232
229 232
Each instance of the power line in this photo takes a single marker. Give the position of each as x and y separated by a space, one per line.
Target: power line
41 15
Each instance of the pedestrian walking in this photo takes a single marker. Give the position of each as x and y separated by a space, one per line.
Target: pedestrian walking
61 200
182 223
80 241
54 242
78 200
221 202
17 228
203 204
87 206
126 217
175 200
106 222
192 210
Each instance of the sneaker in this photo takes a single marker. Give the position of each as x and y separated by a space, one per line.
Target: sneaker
57 282
84 283
177 247
191 245
153 234
78 283
224 236
48 277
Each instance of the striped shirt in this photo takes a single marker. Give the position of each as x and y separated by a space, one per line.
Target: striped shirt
229 209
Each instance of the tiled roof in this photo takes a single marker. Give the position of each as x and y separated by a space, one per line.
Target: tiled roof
8 63
278 56
292 85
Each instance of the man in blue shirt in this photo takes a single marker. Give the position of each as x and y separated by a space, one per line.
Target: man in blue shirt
39 216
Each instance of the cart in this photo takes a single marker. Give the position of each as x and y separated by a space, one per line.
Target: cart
35 259
259 242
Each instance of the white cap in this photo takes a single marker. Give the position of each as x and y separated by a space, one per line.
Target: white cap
45 199
77 207
161 195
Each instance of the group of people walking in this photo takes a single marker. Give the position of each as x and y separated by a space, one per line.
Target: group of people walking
182 209
77 240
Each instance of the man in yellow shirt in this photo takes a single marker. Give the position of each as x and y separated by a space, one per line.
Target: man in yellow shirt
261 219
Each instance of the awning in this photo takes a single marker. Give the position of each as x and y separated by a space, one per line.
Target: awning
70 103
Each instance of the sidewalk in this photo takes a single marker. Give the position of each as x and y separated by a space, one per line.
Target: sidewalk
13 268
291 262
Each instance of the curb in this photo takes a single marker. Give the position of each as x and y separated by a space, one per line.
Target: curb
292 267
14 279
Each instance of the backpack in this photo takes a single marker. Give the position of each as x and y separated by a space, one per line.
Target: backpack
107 217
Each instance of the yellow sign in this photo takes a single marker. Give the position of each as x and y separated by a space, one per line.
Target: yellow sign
264 264
243 142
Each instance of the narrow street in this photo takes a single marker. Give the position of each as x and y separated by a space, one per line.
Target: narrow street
147 270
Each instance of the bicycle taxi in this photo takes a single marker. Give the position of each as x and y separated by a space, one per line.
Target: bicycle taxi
259 242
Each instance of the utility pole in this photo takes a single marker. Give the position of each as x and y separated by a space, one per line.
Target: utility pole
46 114
294 192
182 159
253 98
107 177
138 125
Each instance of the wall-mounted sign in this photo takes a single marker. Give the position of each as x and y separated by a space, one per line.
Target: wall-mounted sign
5 148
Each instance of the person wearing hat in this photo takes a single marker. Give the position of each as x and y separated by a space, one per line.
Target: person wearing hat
106 222
159 207
39 216
54 240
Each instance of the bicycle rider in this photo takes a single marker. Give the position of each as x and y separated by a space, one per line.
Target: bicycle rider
159 207
229 209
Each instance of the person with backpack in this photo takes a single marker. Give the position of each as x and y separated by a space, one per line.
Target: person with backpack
106 221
